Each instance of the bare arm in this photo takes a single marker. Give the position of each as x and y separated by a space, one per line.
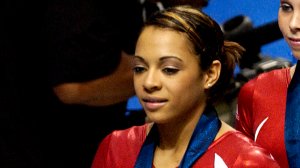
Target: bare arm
108 90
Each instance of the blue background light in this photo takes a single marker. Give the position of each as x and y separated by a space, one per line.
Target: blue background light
259 11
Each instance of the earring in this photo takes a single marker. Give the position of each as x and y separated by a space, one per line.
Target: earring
208 85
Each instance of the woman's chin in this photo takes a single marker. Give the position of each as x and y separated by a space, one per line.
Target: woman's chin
157 119
296 54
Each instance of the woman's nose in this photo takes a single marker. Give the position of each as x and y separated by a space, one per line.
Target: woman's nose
152 82
295 22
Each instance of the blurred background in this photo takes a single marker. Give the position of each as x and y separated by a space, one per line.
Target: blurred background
260 12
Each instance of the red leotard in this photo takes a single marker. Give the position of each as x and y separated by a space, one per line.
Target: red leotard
261 111
121 148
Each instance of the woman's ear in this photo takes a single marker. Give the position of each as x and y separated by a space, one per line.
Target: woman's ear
212 74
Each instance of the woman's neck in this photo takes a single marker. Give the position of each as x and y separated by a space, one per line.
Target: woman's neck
172 144
292 70
174 140
176 135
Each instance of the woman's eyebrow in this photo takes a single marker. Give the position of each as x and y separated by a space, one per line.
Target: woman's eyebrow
170 57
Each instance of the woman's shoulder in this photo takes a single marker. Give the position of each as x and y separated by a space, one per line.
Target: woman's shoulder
265 81
244 151
120 148
234 149
126 137
131 133
237 150
276 75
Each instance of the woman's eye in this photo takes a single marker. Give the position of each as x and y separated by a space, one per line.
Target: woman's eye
286 7
138 69
170 71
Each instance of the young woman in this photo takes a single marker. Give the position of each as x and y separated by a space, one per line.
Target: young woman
181 65
264 110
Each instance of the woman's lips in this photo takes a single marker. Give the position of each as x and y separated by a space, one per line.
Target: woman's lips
294 42
153 104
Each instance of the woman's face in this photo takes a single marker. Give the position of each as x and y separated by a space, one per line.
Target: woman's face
167 77
289 23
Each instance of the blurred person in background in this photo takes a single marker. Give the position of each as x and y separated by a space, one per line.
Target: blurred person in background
268 106
66 78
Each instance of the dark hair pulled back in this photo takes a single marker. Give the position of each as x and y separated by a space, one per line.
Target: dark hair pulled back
207 39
